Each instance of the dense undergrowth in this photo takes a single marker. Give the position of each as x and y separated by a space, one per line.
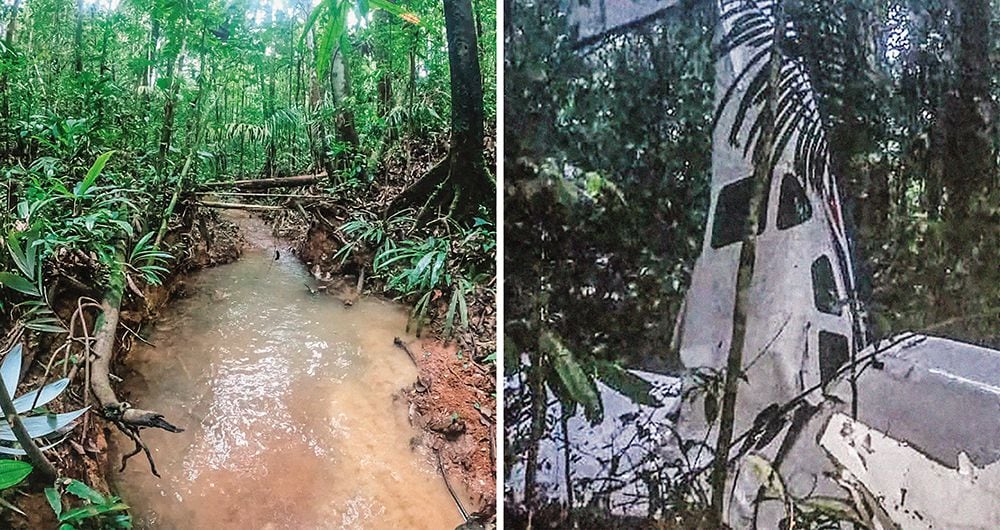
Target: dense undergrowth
608 168
114 114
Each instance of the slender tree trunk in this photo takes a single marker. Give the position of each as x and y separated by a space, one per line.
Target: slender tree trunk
567 466
744 276
411 85
460 184
539 405
12 23
78 38
466 85
4 79
344 125
169 107
969 155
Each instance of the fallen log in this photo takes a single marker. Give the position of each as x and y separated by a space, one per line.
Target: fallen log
239 206
268 183
265 195
130 420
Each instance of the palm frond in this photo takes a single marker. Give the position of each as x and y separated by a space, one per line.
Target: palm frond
797 119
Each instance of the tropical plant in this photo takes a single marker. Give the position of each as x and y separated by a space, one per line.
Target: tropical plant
337 11
104 512
146 260
423 272
573 378
12 472
37 313
436 266
371 232
812 512
796 111
44 425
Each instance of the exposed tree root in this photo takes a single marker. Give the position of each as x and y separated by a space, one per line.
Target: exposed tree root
455 188
129 420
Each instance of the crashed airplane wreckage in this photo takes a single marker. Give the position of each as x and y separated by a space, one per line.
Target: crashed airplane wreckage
903 432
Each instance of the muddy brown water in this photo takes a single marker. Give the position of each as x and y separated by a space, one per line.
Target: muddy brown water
288 404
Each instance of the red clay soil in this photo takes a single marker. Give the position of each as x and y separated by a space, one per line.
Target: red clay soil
454 402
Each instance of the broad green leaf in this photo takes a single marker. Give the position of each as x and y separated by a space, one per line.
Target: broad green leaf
21 452
38 426
626 383
330 38
86 512
140 246
421 265
19 257
580 387
18 283
12 472
31 251
313 17
397 10
55 500
438 267
93 173
85 492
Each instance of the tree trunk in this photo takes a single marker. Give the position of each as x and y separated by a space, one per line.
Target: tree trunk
344 126
12 24
459 184
744 275
4 79
411 84
150 68
264 184
78 38
539 406
169 106
104 347
969 147
969 155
